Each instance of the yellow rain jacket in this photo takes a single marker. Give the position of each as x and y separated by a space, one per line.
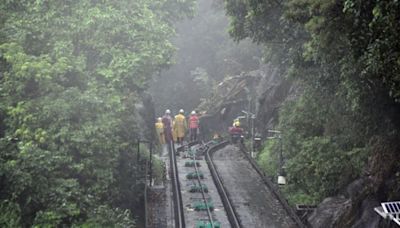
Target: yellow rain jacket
160 132
236 123
180 125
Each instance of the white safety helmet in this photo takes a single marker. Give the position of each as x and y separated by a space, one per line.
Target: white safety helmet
167 111
193 112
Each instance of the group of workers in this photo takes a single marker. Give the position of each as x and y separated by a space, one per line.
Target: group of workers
175 129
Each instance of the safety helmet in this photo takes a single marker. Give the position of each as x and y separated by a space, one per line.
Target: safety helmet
237 123
167 111
193 112
181 111
159 119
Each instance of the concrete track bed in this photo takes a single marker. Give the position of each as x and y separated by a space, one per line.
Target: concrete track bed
255 203
192 216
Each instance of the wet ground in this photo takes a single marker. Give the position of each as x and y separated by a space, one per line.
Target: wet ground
255 203
192 216
160 203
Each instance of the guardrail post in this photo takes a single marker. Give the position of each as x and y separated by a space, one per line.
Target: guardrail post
151 163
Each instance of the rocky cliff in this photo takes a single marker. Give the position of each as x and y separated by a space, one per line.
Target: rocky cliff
355 207
263 92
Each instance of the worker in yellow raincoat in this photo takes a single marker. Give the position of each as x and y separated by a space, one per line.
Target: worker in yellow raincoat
236 122
180 126
160 130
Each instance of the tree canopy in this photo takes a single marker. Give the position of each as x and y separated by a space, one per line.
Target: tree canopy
345 55
205 55
71 76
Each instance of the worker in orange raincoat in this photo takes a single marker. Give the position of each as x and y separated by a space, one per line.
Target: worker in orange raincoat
160 130
180 126
193 125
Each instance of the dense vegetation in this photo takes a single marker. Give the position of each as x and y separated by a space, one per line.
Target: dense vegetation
206 54
345 54
71 74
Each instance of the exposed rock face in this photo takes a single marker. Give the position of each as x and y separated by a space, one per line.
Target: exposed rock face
328 212
356 208
227 102
261 92
271 92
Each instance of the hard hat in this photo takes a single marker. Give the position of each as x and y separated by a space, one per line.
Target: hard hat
167 111
159 119
237 124
181 111
193 112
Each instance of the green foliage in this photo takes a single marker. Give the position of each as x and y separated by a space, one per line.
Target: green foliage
268 159
203 81
205 54
71 75
158 170
345 57
103 216
323 145
319 167
9 214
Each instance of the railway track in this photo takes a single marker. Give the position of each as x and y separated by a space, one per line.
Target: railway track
231 213
198 201
201 198
176 189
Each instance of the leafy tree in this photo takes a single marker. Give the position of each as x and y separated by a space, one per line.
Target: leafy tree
72 73
203 43
345 56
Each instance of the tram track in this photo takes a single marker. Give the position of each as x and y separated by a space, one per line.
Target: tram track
231 213
202 190
176 188
218 202
203 207
257 203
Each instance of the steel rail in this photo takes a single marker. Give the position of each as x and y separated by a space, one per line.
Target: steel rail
229 208
202 191
275 191
178 203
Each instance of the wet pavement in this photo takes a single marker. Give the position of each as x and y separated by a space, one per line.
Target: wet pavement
255 203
